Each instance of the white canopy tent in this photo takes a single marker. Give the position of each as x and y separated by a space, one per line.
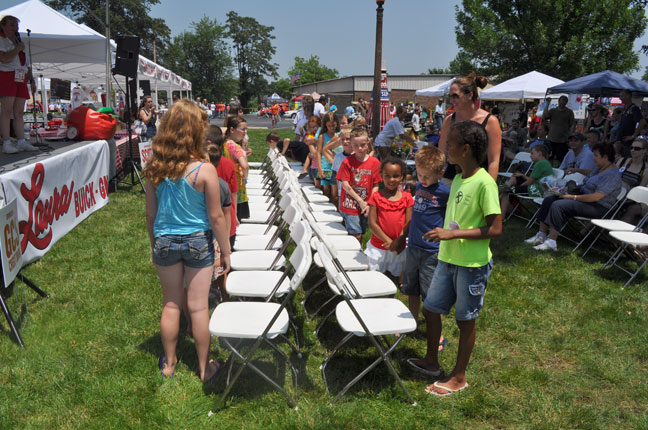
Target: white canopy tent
438 90
532 85
64 49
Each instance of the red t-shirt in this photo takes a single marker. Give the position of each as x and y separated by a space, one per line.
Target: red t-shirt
225 171
362 176
391 215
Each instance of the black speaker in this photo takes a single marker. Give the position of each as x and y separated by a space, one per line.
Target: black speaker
145 86
127 56
132 92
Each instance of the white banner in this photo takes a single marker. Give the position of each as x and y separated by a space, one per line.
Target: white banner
10 243
54 195
146 150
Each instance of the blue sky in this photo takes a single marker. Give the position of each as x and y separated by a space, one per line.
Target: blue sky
417 34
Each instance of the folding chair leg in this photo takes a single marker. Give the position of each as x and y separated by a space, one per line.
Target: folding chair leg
634 275
593 242
247 363
337 347
310 292
321 324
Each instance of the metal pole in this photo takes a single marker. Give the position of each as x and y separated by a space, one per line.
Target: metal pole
375 117
109 92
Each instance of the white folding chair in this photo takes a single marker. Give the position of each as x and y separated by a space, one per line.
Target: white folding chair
519 158
262 322
636 194
367 283
373 318
269 259
629 239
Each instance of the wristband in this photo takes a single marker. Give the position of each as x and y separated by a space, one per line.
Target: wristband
574 197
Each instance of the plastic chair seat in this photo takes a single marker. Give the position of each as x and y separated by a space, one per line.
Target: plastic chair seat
613 224
341 243
631 237
257 217
247 320
256 283
327 216
255 260
350 260
381 316
255 242
254 230
368 284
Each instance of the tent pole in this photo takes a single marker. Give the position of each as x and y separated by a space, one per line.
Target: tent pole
109 96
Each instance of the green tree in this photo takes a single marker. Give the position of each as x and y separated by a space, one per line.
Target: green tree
253 51
311 70
283 87
562 38
438 71
127 17
201 56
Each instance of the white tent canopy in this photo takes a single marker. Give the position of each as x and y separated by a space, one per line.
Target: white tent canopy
438 90
64 49
532 85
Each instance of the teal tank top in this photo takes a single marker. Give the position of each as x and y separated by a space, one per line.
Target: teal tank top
181 209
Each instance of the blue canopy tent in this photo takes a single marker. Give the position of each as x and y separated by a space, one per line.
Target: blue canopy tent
606 83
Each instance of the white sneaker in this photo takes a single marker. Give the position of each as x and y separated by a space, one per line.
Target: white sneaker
23 145
9 147
536 240
547 245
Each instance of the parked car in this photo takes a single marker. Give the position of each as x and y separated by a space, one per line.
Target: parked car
291 113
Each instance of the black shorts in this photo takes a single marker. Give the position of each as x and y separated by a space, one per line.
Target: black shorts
296 150
242 211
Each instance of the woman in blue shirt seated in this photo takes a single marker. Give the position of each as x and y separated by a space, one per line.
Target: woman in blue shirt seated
183 214
595 197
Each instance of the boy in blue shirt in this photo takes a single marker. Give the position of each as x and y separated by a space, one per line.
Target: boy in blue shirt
473 217
430 200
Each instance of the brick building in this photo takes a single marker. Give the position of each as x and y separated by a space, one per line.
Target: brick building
402 88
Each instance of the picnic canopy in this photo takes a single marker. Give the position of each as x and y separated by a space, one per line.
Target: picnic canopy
64 49
532 85
438 90
275 98
606 83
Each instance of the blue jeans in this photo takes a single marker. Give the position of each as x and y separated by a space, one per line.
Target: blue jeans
461 286
355 224
194 250
420 266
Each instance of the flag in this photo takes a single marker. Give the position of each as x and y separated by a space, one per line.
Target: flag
295 78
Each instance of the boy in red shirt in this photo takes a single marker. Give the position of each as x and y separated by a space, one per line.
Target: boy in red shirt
360 176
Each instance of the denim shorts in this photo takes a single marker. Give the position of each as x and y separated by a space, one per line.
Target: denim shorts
194 250
355 224
333 179
420 266
461 286
313 173
326 180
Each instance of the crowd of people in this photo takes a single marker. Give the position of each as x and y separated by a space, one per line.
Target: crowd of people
430 225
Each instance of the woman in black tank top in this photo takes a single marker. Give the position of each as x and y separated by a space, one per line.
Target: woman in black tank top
463 96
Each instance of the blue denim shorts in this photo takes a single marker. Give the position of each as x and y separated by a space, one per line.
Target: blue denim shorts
355 224
461 286
194 250
419 271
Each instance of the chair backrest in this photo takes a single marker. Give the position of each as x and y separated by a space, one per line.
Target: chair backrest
638 194
292 214
522 156
301 259
300 232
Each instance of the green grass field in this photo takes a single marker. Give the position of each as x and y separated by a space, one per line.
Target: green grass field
559 346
